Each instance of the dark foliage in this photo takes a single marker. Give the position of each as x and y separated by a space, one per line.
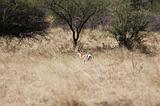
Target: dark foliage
18 16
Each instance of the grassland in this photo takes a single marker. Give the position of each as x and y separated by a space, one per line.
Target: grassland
47 72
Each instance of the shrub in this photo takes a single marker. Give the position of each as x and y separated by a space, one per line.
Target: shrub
129 19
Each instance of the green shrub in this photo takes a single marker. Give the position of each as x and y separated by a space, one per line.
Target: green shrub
129 18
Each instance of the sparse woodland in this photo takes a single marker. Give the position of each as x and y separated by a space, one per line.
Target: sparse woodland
79 52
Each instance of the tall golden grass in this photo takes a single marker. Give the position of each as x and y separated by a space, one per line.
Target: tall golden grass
47 72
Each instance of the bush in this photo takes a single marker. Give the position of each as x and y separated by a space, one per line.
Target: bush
129 19
19 16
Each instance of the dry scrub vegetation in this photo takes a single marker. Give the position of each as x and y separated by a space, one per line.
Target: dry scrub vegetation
44 71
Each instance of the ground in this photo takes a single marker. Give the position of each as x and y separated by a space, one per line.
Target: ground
47 72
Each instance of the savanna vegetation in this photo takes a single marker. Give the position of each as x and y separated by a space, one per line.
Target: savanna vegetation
40 39
121 16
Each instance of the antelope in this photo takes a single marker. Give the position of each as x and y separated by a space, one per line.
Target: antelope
84 56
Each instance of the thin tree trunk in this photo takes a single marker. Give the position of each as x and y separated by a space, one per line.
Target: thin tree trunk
74 43
75 39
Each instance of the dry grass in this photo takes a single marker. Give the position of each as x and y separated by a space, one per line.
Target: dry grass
46 72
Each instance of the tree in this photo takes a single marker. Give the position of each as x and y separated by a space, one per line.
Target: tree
75 13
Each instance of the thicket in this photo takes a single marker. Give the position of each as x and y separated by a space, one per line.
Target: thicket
20 16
